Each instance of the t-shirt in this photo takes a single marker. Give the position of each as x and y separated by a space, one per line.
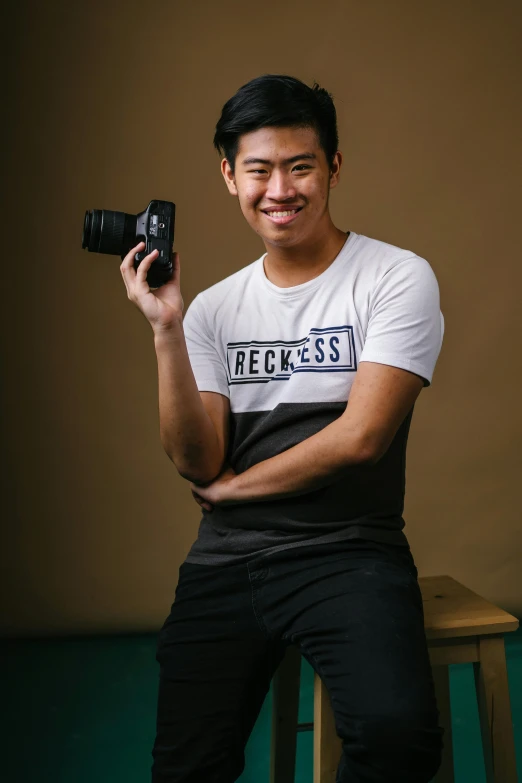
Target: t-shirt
286 358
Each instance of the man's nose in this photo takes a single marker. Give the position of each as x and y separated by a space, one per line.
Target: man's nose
280 186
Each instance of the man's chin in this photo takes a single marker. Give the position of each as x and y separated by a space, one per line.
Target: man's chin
282 241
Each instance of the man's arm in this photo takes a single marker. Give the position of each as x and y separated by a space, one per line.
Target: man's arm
193 428
193 425
380 399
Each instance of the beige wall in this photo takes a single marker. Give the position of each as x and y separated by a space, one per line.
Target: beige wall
110 105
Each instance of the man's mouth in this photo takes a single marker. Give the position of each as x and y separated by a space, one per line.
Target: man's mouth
282 216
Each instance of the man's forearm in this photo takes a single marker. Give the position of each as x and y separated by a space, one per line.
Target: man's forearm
381 399
312 464
187 432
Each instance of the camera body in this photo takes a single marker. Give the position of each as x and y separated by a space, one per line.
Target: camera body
115 233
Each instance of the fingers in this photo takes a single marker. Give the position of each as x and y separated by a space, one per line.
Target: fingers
136 278
143 268
127 268
128 262
201 502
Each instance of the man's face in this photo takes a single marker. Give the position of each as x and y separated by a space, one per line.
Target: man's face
283 170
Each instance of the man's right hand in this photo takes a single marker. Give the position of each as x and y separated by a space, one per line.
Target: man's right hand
162 307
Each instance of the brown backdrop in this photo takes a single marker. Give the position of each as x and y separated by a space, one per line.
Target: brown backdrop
111 104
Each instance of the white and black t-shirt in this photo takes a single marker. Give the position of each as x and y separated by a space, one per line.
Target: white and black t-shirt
287 358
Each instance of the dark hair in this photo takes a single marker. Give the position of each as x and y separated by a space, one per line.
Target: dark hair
276 101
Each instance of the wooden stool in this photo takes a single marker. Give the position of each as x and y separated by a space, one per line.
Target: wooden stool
461 627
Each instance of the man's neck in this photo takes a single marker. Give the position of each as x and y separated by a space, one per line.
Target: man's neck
287 267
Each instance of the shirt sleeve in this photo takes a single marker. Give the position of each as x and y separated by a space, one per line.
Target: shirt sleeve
406 326
206 362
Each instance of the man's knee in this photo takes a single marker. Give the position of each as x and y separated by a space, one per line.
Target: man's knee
401 750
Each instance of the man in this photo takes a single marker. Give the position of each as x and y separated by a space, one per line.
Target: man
286 396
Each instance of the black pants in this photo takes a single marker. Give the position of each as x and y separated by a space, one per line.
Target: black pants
354 610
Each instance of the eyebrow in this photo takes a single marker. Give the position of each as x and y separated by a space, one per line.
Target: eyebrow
303 156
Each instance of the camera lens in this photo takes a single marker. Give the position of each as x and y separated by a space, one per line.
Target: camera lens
87 229
106 231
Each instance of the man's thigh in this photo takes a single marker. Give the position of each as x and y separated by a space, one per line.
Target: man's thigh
365 632
357 617
215 670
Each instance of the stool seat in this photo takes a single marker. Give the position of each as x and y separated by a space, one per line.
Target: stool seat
451 609
461 627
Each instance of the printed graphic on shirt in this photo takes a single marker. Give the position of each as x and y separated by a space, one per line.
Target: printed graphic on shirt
324 350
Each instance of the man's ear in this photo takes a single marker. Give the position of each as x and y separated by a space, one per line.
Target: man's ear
336 169
228 176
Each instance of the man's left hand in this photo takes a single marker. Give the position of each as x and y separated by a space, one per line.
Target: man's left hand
219 492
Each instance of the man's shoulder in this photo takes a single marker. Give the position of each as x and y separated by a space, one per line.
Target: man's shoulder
229 285
382 251
377 259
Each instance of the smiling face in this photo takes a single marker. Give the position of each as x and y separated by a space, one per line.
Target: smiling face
283 181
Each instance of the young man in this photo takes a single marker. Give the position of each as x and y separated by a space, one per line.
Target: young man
286 395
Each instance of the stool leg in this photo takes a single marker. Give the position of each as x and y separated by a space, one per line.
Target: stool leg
285 708
491 682
327 745
446 772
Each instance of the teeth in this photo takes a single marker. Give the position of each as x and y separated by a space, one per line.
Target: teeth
282 214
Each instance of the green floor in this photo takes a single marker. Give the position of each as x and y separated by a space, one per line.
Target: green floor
82 710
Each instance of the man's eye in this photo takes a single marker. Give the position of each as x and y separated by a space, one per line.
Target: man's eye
263 171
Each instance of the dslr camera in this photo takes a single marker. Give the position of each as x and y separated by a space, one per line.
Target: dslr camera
115 233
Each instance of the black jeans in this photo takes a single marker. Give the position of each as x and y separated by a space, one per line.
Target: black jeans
354 610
